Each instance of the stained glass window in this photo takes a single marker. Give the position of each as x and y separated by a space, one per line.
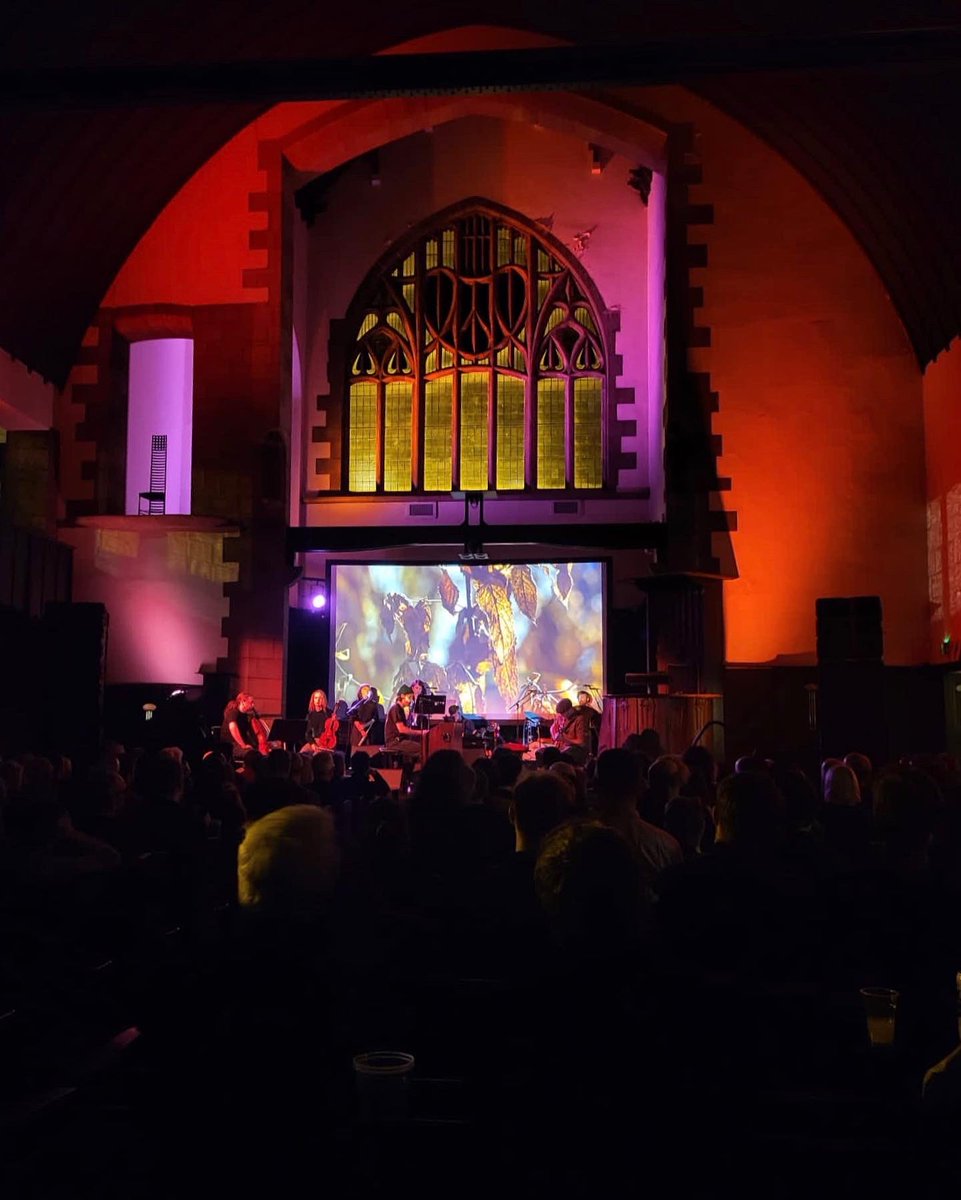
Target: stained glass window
474 427
510 433
587 417
363 437
398 436
551 464
477 360
439 434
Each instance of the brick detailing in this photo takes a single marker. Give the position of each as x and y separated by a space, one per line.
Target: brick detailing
695 511
329 434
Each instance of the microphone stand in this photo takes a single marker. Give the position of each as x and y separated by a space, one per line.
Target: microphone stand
701 732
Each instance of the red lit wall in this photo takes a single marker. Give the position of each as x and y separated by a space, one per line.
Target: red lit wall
198 248
942 427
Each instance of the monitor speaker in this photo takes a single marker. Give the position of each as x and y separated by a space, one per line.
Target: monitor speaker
849 629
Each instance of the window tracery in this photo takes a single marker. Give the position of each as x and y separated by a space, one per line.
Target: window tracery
478 361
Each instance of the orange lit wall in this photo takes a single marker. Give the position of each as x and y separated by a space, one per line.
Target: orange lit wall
942 424
820 406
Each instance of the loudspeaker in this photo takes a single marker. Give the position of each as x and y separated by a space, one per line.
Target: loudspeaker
851 710
392 776
75 657
849 629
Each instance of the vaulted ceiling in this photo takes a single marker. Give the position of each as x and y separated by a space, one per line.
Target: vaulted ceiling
106 111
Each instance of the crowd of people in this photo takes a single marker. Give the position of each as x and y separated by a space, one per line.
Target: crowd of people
639 966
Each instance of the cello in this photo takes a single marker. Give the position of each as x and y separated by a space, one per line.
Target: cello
258 728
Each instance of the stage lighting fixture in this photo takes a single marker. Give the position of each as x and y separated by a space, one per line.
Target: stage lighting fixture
313 595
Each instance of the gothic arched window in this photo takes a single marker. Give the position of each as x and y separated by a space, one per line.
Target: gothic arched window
477 359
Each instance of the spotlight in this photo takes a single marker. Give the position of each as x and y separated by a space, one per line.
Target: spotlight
318 601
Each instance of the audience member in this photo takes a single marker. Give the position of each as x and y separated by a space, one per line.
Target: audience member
618 792
665 779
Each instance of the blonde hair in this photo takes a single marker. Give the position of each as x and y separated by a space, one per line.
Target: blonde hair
287 862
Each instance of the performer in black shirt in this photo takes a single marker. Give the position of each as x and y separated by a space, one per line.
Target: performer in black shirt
400 737
419 720
318 716
236 729
363 715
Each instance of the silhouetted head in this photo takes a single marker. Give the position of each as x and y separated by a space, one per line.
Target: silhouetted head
750 812
841 787
539 804
588 884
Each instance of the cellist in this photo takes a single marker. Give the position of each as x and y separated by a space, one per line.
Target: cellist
238 726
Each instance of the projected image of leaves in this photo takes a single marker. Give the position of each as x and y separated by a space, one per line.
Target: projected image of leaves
492 598
484 633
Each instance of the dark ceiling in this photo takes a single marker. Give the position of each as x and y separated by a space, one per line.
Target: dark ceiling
104 116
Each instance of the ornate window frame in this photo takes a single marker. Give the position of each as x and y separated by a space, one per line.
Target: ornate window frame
478 349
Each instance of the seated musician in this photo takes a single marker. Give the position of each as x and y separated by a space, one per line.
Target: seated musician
586 702
376 736
419 720
363 716
236 729
571 731
318 714
400 737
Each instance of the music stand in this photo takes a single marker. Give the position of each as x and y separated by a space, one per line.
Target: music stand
292 731
430 705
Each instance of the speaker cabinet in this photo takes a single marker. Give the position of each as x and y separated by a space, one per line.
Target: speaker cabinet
75 658
849 629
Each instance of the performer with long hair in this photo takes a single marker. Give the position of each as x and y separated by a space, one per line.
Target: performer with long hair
322 724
